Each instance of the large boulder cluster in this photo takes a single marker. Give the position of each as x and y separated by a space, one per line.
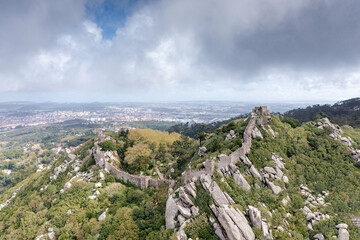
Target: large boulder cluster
261 223
232 220
232 170
313 217
270 174
80 176
182 208
337 134
62 167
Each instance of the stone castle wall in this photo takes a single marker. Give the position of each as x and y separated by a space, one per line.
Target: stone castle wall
140 181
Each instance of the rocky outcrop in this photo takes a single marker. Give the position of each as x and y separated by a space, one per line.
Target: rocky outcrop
343 233
202 151
241 181
233 222
255 216
217 195
319 236
170 212
62 167
337 135
10 199
230 135
256 133
310 203
102 217
275 189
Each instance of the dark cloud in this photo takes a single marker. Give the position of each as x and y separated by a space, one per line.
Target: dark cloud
207 48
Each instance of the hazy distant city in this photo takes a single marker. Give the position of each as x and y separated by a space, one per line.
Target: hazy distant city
16 114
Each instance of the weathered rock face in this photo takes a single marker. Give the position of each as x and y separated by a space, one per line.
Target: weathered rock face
256 133
230 135
278 161
241 181
202 151
102 217
319 236
170 213
233 222
218 196
286 200
343 232
51 233
276 189
255 216
312 202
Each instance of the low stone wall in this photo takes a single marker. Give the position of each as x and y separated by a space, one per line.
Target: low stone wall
139 181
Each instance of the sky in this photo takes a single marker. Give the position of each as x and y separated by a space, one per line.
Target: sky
179 50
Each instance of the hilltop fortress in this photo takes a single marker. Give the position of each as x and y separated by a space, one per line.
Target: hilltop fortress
106 159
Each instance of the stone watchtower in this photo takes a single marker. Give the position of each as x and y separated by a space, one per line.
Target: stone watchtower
262 113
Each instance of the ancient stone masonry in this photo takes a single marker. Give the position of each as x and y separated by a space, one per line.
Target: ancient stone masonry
337 135
232 223
106 159
226 160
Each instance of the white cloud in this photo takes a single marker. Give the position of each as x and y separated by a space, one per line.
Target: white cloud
231 50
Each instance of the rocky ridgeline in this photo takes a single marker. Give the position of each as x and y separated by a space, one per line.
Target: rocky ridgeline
106 159
2 205
231 222
337 135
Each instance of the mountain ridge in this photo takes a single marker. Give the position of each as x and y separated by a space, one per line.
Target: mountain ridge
255 178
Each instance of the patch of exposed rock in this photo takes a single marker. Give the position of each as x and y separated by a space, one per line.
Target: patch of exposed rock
182 208
337 135
233 222
257 221
62 167
202 151
2 205
230 135
312 202
343 233
256 133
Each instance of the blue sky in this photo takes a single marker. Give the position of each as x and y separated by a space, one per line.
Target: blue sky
111 14
171 50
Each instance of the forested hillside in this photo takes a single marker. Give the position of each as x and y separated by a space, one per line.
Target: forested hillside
260 177
342 113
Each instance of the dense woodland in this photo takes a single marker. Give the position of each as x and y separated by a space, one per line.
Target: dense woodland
342 113
311 156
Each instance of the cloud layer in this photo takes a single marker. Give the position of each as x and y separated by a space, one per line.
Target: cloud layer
183 50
